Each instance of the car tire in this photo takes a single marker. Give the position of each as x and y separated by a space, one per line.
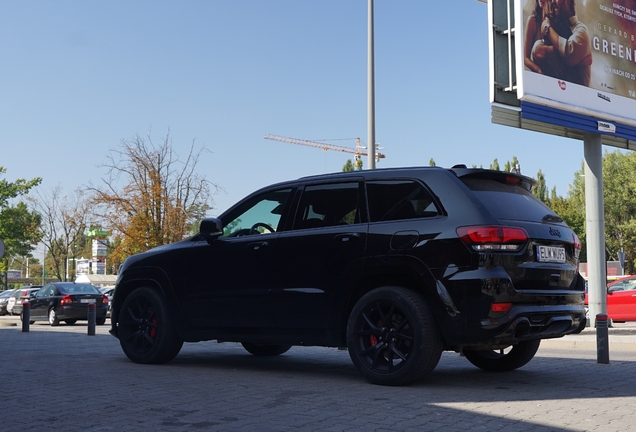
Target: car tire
147 332
100 321
498 361
70 321
22 319
265 350
414 345
53 320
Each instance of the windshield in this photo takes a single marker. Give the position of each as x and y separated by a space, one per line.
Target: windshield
508 201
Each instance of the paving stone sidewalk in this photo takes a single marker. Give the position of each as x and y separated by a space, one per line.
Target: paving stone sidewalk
58 378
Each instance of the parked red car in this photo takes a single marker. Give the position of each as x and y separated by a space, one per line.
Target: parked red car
621 299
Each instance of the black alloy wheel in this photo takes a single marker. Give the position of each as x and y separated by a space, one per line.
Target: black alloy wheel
504 360
147 333
265 350
392 338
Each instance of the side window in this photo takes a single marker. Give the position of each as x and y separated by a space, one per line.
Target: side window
44 292
260 215
391 200
328 205
627 285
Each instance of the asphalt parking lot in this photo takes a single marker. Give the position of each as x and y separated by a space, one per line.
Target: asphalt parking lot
59 378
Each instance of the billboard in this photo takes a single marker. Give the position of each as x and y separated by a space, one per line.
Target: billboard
578 56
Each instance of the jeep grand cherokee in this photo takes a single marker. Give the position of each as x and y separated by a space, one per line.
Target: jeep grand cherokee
396 265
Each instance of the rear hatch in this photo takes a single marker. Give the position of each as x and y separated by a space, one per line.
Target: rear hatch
548 259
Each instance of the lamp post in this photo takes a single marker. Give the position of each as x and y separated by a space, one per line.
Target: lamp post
370 91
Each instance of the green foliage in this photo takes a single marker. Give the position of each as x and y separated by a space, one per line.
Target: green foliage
19 229
541 189
348 166
431 162
10 190
619 186
18 225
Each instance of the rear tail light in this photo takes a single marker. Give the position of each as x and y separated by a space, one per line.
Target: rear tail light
105 300
500 307
66 300
493 238
577 246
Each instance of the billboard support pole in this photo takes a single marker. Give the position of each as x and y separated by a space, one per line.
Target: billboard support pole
595 223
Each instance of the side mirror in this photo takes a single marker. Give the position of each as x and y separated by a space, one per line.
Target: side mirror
210 229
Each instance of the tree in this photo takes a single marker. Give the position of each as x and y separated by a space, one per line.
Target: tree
348 166
18 224
512 166
431 162
541 189
494 165
619 195
150 197
10 190
64 223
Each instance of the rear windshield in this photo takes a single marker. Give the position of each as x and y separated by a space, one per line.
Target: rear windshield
78 289
507 201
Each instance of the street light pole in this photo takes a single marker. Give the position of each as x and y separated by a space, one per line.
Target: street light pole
370 92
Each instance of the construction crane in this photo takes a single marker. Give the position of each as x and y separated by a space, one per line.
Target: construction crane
358 151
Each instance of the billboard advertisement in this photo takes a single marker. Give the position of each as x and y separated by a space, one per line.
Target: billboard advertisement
578 56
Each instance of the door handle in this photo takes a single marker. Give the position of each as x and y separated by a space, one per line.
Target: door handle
345 237
257 245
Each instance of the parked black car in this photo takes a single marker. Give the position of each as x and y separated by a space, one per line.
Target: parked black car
68 302
397 265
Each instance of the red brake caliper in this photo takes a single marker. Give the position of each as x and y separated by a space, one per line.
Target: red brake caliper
153 320
153 331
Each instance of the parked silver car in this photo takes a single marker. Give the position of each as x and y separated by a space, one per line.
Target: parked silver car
14 304
4 298
108 292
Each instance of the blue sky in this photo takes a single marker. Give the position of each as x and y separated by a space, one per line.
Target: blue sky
80 76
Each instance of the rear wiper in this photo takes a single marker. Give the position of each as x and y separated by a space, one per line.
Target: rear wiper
551 218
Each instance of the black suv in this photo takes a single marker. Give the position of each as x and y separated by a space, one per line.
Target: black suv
396 265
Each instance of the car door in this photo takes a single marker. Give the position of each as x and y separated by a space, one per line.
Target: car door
315 261
40 302
227 282
621 301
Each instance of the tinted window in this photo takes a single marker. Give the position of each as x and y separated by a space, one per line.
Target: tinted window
399 200
263 210
77 289
328 205
508 201
45 292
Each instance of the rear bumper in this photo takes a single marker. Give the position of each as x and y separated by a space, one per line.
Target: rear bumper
528 323
79 312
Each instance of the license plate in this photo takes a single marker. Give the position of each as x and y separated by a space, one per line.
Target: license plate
550 254
87 300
